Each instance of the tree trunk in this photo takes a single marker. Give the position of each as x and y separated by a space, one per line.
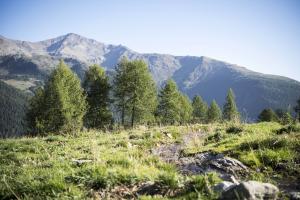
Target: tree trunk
132 116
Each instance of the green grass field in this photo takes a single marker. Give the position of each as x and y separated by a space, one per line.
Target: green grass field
96 165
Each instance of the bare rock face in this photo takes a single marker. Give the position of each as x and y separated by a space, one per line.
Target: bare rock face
251 190
209 162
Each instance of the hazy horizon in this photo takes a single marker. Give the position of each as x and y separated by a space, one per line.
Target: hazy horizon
263 36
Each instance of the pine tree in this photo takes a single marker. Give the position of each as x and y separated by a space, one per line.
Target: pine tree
168 110
121 88
186 109
97 88
62 102
286 118
214 113
230 111
199 110
142 99
268 115
135 92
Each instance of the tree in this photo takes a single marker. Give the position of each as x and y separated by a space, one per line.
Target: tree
135 92
142 100
36 111
268 115
297 109
121 88
186 109
286 118
168 110
199 110
230 111
60 107
97 88
214 113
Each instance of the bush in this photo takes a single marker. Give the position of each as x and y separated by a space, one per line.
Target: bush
170 179
217 137
202 184
234 129
289 129
273 158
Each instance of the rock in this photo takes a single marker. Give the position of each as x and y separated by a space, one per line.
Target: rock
223 186
80 162
233 179
149 188
228 168
229 165
251 190
295 196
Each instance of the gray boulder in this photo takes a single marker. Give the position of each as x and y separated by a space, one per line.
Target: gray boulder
211 162
223 186
251 190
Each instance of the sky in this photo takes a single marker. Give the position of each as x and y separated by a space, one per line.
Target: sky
262 35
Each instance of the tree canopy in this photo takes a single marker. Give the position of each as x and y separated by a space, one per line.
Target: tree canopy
199 110
214 113
267 115
230 111
61 105
97 88
135 92
168 110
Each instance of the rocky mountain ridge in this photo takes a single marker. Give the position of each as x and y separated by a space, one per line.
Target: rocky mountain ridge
31 62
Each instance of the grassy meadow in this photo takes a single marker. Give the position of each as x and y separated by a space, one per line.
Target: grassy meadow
114 164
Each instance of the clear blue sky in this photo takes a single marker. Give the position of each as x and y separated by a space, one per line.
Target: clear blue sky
262 35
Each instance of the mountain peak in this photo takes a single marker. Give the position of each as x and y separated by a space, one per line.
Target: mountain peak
74 35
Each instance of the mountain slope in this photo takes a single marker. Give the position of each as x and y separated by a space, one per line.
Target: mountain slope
13 107
31 62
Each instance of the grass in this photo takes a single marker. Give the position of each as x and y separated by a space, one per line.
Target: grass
263 147
46 167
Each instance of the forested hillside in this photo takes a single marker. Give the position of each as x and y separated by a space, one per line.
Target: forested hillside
13 108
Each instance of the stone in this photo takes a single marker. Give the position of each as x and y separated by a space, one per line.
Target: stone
80 162
227 167
251 190
295 196
223 186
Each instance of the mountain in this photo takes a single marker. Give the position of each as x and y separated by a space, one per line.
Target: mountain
13 107
26 65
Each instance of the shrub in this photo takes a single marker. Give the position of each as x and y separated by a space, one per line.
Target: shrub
170 179
234 129
202 184
289 129
273 158
217 137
